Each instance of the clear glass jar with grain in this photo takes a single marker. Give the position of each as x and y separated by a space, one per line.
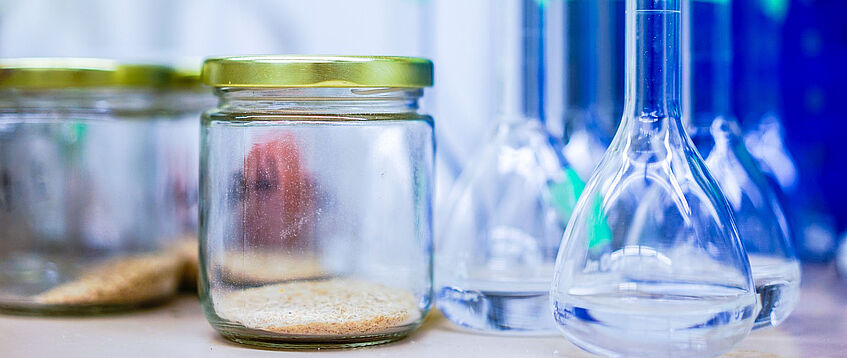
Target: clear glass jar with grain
98 180
316 213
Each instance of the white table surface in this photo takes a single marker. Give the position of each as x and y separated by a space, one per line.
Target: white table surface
818 328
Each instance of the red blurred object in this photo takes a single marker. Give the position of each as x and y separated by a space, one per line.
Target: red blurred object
279 198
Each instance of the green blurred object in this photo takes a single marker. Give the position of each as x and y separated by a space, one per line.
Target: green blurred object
566 192
601 234
776 9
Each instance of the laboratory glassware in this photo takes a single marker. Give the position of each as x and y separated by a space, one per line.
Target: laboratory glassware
96 186
759 216
506 214
651 263
316 200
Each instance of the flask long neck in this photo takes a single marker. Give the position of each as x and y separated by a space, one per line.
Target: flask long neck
708 40
653 60
518 53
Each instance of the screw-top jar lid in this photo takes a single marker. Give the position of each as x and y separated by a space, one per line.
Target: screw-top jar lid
187 76
46 73
318 71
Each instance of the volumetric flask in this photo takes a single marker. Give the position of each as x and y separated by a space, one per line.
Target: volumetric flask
506 215
651 264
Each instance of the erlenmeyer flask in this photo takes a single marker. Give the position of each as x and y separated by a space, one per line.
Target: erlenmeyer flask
761 221
651 264
504 222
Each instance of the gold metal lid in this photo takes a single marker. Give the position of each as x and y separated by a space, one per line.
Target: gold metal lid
46 73
318 71
187 77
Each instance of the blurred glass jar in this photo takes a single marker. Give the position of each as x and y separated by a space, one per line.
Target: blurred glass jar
97 181
315 211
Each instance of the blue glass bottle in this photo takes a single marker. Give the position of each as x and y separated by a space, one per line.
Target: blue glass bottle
758 29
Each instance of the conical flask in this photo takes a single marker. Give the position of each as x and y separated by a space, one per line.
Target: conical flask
505 218
651 264
758 213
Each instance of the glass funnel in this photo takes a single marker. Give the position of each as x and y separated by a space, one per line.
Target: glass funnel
506 215
651 264
761 221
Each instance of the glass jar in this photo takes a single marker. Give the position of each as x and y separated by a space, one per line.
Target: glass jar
315 208
94 189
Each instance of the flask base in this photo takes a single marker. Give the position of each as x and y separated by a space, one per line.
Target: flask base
525 313
656 321
778 288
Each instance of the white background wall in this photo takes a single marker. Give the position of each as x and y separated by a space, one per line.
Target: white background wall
455 34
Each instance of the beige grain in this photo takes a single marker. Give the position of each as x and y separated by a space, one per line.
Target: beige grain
329 307
123 280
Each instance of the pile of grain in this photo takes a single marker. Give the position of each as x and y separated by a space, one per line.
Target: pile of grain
329 307
122 280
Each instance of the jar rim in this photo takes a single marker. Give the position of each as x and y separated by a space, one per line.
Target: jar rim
318 71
